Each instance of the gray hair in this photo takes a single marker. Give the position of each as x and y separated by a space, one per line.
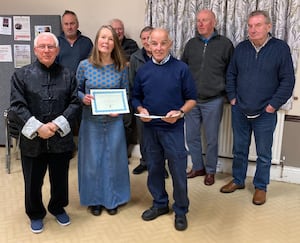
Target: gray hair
49 34
115 20
261 12
158 29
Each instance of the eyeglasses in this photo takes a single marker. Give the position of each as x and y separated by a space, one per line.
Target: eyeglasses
43 47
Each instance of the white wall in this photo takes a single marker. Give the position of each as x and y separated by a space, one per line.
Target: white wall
91 13
295 111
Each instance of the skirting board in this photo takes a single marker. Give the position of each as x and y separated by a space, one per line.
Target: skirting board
278 173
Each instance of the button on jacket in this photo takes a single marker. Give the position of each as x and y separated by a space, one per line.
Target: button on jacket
45 93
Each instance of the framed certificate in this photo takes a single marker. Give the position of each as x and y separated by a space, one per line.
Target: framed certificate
108 101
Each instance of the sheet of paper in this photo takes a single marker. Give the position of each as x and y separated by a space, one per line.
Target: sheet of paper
22 28
22 55
149 116
5 53
42 28
5 26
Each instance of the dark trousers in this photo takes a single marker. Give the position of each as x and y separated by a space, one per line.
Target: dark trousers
34 170
159 146
129 121
140 131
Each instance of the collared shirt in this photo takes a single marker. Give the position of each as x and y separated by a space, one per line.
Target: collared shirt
258 48
206 40
163 61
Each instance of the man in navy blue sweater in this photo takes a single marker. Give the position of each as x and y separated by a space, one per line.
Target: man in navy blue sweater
260 79
164 87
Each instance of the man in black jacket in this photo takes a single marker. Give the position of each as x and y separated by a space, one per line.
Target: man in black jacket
129 45
44 98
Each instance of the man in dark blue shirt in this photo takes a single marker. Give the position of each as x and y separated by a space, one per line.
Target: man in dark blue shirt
164 88
74 47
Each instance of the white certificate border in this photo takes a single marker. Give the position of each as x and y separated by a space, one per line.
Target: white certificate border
123 98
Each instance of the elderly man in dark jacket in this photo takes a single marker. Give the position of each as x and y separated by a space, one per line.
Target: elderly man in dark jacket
44 98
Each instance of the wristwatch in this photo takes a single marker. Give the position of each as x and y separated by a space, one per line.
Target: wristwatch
182 113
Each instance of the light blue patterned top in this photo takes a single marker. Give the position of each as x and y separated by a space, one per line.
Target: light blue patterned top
106 77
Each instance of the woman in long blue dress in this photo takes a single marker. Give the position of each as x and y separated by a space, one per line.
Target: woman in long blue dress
103 175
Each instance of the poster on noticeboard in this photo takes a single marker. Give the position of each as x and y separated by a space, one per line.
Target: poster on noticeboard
21 28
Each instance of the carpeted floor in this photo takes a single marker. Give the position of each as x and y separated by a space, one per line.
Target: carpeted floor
213 216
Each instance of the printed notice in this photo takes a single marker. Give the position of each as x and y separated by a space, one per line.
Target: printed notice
5 53
5 26
42 28
22 55
22 28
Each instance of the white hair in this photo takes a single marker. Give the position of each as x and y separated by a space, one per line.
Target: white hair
49 34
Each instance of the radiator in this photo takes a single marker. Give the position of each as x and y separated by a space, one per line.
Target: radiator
226 140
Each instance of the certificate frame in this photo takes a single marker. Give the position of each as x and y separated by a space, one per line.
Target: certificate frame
107 101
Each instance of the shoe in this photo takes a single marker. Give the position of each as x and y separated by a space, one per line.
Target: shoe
36 225
194 173
139 169
63 219
231 187
209 179
180 222
112 211
259 197
153 213
166 174
95 210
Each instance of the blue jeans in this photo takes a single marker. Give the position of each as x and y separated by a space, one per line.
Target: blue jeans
160 145
263 128
208 115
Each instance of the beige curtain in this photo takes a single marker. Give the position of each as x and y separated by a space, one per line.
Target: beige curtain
178 16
